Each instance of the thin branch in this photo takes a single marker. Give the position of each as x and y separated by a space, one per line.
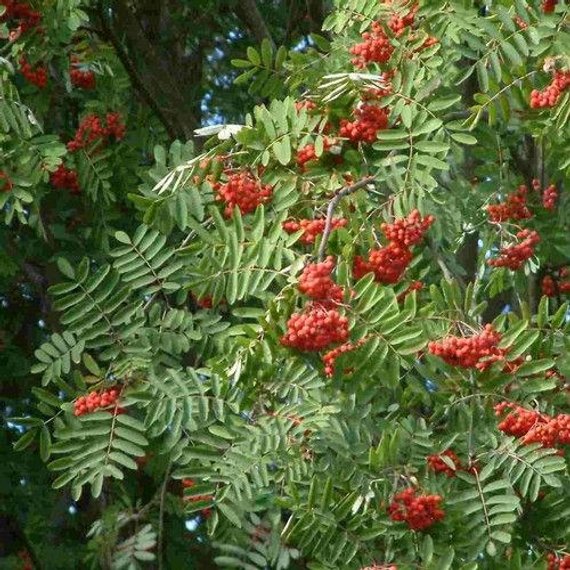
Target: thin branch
331 208
161 516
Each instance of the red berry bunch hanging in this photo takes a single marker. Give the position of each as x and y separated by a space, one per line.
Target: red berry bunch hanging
549 5
329 358
5 182
314 329
308 152
550 197
555 431
419 512
306 104
311 228
551 94
533 426
477 351
554 285
37 76
21 14
437 464
521 24
82 79
514 256
408 231
243 190
94 401
65 179
388 263
555 562
399 23
514 208
369 119
316 282
26 560
375 47
92 129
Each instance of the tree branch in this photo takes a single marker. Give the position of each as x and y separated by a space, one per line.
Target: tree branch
249 14
133 74
346 191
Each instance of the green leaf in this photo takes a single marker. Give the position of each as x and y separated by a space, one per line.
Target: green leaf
464 138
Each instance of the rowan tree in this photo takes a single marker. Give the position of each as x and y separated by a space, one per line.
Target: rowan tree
331 332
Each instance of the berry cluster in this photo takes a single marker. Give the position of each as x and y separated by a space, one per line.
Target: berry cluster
408 231
308 152
243 190
437 464
419 512
329 358
316 282
380 567
521 24
26 560
514 256
515 207
319 324
549 5
551 94
557 563
375 47
94 401
553 285
550 197
306 104
390 262
478 351
65 179
82 79
92 129
399 23
37 76
533 426
317 327
21 14
387 263
5 182
311 228
369 119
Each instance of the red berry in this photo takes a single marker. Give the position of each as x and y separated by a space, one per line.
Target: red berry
514 256
369 119
478 351
311 228
514 208
419 512
317 327
243 190
376 47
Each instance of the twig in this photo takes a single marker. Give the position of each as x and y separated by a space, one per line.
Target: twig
333 204
161 516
